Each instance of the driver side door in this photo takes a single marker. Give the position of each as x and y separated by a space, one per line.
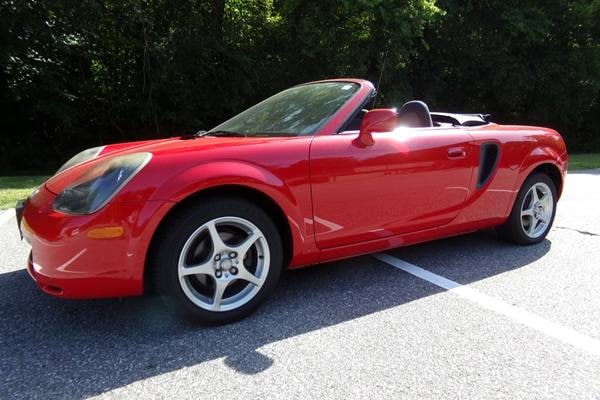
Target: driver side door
407 180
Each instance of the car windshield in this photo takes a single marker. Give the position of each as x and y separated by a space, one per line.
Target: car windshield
300 110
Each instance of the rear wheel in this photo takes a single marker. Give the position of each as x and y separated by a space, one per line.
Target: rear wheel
218 259
533 212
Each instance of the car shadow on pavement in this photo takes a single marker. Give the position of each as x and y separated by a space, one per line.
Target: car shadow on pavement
52 348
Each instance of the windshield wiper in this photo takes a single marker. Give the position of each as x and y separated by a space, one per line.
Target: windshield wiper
220 133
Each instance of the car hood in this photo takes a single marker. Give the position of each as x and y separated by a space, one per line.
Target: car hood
182 152
187 144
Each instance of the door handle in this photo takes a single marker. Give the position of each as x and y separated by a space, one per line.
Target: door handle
457 152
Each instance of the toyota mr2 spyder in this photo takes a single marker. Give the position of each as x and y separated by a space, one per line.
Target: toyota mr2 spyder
309 175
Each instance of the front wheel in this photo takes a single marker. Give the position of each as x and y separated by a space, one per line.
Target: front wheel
218 259
533 212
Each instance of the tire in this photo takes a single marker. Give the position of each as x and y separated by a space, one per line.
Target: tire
523 226
217 245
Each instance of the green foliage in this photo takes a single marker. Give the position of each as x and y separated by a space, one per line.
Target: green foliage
534 62
74 74
13 188
584 161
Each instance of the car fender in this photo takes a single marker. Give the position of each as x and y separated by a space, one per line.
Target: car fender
548 150
543 153
213 174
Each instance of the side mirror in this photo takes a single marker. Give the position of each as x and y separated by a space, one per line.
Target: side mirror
377 120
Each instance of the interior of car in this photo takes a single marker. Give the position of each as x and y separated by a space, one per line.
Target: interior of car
416 114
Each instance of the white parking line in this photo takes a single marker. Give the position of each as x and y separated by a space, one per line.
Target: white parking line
552 329
6 215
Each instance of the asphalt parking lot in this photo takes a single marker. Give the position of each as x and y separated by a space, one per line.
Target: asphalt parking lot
517 322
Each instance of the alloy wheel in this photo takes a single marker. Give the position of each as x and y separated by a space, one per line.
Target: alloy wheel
224 264
536 210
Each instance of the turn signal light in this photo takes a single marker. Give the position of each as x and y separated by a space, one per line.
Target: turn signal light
109 232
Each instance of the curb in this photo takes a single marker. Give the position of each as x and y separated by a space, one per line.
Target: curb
592 171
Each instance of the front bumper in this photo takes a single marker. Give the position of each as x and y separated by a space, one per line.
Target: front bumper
88 256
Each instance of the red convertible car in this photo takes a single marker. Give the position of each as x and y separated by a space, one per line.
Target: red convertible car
307 176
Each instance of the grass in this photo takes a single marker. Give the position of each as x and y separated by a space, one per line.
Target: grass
584 161
13 188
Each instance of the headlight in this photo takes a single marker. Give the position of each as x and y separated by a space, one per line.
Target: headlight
78 158
91 191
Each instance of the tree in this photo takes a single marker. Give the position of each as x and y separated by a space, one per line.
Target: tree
78 74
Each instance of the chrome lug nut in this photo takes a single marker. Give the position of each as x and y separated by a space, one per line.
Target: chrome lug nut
217 257
218 273
232 254
233 270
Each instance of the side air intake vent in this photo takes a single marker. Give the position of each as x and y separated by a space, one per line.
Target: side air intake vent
488 162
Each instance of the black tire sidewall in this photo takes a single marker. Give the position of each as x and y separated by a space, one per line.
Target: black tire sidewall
181 226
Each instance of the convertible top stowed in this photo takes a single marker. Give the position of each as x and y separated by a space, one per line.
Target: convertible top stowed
461 119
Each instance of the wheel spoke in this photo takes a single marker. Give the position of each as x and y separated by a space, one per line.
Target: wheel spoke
527 213
246 275
220 287
532 224
534 195
205 268
218 244
531 201
243 248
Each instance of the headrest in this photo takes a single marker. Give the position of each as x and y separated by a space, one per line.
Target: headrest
415 114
